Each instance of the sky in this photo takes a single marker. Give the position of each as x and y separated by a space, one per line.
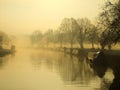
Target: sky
26 16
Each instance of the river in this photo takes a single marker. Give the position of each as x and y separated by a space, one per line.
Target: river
29 69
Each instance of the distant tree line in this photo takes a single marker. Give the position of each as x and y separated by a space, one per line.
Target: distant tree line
70 31
106 31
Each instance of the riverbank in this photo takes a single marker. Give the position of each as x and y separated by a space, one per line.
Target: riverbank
85 51
80 52
73 51
77 51
4 52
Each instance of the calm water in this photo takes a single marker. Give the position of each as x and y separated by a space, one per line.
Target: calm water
49 70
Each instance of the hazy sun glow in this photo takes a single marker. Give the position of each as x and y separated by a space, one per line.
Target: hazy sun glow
25 16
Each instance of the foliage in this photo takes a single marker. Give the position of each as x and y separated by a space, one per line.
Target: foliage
110 22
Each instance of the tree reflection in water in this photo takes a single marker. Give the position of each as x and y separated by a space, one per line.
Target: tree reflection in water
3 60
59 69
72 70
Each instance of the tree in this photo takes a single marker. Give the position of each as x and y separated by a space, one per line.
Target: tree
84 27
73 31
36 37
109 19
69 26
60 36
55 37
93 35
4 39
48 36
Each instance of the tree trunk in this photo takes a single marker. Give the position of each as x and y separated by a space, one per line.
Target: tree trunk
109 46
92 44
102 47
71 45
81 44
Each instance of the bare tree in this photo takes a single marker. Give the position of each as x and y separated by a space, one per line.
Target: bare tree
4 40
36 37
70 27
93 35
84 27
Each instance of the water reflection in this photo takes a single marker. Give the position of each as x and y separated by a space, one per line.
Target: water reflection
72 70
51 70
3 60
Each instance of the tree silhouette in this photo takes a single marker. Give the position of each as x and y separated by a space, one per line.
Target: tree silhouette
84 27
4 39
93 35
69 26
36 37
110 23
